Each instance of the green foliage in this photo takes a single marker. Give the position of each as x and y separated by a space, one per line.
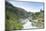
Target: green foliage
12 20
37 14
38 19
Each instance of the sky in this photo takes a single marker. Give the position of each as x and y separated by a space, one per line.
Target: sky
28 6
28 0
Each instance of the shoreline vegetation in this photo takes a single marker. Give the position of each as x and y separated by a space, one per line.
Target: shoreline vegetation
14 14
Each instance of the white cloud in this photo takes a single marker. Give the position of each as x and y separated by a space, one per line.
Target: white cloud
31 10
28 9
34 10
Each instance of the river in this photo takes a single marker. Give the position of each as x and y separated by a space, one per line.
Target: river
27 25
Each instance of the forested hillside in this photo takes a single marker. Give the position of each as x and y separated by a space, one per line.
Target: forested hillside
13 14
38 19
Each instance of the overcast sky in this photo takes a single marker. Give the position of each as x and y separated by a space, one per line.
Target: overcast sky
28 6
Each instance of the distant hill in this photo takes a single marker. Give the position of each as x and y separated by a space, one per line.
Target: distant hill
18 11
